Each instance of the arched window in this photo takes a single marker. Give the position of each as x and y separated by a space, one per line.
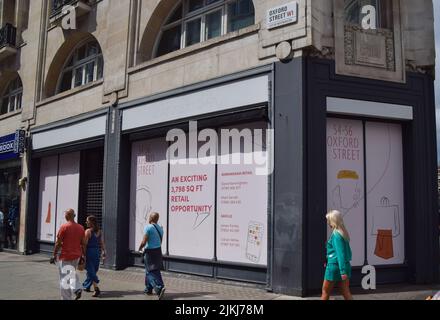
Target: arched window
194 21
11 99
85 65
384 12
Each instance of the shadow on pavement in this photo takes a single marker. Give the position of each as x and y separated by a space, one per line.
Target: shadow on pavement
24 261
187 295
167 296
395 289
117 294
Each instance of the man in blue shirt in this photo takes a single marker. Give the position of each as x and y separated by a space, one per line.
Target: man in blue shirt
151 247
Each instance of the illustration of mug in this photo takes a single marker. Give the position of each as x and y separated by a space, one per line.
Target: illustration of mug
347 194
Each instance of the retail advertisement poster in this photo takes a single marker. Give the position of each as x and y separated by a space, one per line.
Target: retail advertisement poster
385 194
192 205
242 200
149 188
346 180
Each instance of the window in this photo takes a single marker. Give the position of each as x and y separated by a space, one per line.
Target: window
84 66
384 12
195 21
222 220
12 98
8 12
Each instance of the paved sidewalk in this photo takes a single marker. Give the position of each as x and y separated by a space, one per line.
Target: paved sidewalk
33 278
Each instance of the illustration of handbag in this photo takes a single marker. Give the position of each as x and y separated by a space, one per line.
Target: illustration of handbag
386 221
384 244
49 213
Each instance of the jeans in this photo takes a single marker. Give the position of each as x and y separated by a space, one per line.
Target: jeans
153 280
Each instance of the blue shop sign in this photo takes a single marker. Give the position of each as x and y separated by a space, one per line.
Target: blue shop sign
12 146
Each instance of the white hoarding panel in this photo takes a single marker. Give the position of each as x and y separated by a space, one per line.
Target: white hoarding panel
213 99
192 205
149 188
385 197
242 199
47 199
87 129
346 180
369 109
68 186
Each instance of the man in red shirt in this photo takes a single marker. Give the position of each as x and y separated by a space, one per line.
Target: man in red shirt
71 241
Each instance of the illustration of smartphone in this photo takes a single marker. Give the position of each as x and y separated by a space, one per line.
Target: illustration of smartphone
254 241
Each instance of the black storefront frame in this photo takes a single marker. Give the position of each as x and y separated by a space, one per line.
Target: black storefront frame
212 267
420 173
118 163
32 243
48 246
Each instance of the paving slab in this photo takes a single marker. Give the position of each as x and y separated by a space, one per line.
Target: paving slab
33 278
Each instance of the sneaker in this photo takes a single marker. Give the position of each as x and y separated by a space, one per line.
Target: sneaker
97 293
148 292
161 293
78 294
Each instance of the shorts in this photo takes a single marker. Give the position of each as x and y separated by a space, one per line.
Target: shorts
333 273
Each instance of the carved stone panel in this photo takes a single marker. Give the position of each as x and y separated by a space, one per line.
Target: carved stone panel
375 54
373 48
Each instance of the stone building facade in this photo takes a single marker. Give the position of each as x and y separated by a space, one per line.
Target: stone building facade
130 70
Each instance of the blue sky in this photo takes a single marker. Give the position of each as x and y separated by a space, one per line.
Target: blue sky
437 71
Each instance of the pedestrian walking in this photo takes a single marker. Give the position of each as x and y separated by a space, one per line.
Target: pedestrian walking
10 230
151 248
71 242
94 240
339 255
2 227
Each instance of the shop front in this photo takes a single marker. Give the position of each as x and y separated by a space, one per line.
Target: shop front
11 147
201 163
66 172
363 147
375 143
242 170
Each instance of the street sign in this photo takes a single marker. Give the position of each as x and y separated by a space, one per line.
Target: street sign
282 15
13 145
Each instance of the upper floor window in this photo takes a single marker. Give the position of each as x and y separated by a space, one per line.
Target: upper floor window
8 12
384 12
11 99
84 66
194 21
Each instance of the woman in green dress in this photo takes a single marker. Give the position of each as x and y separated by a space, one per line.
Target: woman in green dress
338 268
